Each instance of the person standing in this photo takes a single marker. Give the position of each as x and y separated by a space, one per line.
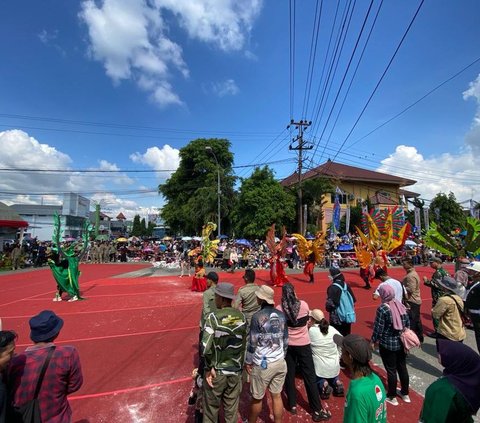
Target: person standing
326 357
411 283
246 300
387 280
63 375
224 344
7 348
448 312
334 294
472 302
439 273
454 397
365 401
15 255
391 318
299 352
265 359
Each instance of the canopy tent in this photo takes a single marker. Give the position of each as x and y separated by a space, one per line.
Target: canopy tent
10 219
243 242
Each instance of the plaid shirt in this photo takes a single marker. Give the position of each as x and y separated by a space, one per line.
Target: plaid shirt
383 330
63 377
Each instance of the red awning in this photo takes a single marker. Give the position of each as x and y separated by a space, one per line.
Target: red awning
13 223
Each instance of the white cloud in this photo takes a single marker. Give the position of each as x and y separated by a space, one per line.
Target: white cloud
133 41
45 36
166 158
224 23
457 173
19 150
227 87
472 138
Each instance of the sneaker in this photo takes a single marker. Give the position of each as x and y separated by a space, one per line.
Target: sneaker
406 398
325 392
57 298
74 298
338 390
320 416
392 401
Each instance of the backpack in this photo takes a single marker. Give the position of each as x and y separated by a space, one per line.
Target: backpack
345 311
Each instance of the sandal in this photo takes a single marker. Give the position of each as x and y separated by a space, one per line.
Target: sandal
322 415
325 392
339 391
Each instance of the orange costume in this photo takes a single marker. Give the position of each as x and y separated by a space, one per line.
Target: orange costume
199 282
311 252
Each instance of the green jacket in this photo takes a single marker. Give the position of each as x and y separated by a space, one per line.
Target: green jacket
224 340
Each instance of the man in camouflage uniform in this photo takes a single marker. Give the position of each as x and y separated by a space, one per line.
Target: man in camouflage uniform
224 344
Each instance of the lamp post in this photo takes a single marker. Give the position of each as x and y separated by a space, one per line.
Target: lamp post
210 150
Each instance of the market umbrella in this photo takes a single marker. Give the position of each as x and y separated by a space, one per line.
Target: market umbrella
345 247
243 242
70 239
122 239
197 238
186 238
167 238
410 243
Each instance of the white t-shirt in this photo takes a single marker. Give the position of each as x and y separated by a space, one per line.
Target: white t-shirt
326 357
397 287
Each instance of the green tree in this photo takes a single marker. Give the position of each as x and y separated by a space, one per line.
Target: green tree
191 191
137 226
410 214
261 202
446 212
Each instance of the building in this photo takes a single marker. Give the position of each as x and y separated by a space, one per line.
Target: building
356 185
73 212
10 223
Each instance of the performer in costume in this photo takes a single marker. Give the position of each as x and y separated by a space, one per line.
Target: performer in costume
383 232
199 282
277 254
64 264
311 252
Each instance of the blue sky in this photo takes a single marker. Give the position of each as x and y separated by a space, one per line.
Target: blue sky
89 78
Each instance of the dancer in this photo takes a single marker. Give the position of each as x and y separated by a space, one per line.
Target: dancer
199 283
277 252
312 252
64 266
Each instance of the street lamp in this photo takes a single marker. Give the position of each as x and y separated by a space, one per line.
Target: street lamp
219 192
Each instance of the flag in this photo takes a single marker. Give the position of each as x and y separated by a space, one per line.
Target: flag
426 218
347 220
418 223
336 212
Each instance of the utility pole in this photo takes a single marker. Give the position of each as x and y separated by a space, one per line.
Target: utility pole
300 146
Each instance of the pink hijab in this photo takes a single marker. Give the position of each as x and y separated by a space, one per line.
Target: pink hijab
387 294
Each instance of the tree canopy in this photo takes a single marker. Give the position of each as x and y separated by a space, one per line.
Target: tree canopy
445 211
191 191
261 202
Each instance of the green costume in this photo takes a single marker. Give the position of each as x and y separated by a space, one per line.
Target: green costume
65 267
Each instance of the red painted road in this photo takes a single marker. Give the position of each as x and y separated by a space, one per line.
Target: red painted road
137 339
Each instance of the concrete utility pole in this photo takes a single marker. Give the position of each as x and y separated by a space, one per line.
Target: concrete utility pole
301 145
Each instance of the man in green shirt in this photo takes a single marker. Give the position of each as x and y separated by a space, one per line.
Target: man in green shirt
224 345
246 299
365 401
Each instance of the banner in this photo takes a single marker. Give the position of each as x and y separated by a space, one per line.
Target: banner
336 213
418 222
426 218
347 220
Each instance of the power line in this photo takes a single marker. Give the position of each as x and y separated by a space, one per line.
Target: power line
415 102
345 74
381 78
124 126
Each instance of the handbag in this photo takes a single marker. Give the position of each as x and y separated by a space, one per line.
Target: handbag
30 411
409 339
